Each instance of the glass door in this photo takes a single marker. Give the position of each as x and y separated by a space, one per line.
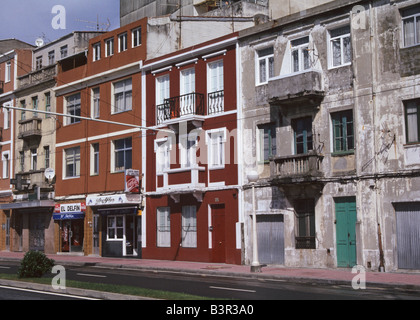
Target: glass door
72 236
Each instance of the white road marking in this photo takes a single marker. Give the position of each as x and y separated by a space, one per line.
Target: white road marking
1 267
232 289
50 293
91 275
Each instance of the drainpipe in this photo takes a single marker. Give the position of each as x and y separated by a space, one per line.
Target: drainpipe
375 171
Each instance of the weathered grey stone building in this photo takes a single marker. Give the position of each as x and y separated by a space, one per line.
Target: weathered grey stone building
330 119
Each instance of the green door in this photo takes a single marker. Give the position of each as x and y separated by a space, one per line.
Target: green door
345 213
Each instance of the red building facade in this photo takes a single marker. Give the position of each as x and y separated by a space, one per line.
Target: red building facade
93 156
191 172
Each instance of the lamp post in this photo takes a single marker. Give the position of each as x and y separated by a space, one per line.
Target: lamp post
255 264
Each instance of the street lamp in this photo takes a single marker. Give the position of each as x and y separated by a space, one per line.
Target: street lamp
255 265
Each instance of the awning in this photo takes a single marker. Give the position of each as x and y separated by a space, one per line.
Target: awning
118 210
69 216
27 204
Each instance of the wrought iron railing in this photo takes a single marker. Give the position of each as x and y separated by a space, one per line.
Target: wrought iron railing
176 107
216 101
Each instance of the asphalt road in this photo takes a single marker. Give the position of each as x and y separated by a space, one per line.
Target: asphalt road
221 287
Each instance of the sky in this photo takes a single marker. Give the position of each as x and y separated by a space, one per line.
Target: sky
28 20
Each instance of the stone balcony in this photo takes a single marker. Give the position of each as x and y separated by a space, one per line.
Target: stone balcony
30 128
37 77
300 87
299 168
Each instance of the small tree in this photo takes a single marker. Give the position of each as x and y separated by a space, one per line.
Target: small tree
34 265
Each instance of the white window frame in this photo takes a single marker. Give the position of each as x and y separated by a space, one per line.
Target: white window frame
74 106
127 93
189 227
64 51
76 159
268 60
163 155
114 153
94 159
8 72
416 19
300 48
34 159
95 102
115 228
96 51
5 157
122 42
341 37
216 144
188 144
7 115
136 35
162 89
51 57
109 47
163 227
38 63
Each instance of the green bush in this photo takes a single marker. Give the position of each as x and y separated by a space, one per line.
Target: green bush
34 265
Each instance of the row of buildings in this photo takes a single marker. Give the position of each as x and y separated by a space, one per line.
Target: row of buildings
142 141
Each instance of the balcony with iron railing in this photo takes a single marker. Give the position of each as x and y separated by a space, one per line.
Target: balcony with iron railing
190 104
297 168
38 76
30 128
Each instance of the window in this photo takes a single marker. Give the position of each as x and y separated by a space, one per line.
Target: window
265 65
162 155
35 106
34 159
340 47
188 146
73 108
8 72
411 26
109 47
63 51
162 89
215 87
343 134
412 121
189 227
72 162
302 135
21 161
47 104
6 164
7 116
51 57
23 113
216 142
122 154
95 102
115 226
46 157
305 224
267 142
38 63
94 164
300 54
122 42
187 101
97 51
136 37
122 96
163 226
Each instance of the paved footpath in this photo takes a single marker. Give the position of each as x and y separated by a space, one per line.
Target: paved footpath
407 280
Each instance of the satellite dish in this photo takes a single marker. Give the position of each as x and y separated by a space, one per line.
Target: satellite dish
49 174
39 42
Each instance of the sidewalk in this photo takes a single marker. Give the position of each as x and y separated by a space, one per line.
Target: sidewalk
395 280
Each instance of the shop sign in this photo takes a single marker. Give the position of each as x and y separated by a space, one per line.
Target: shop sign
132 181
112 200
67 211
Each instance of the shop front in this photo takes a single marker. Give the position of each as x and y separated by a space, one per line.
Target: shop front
119 223
71 220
